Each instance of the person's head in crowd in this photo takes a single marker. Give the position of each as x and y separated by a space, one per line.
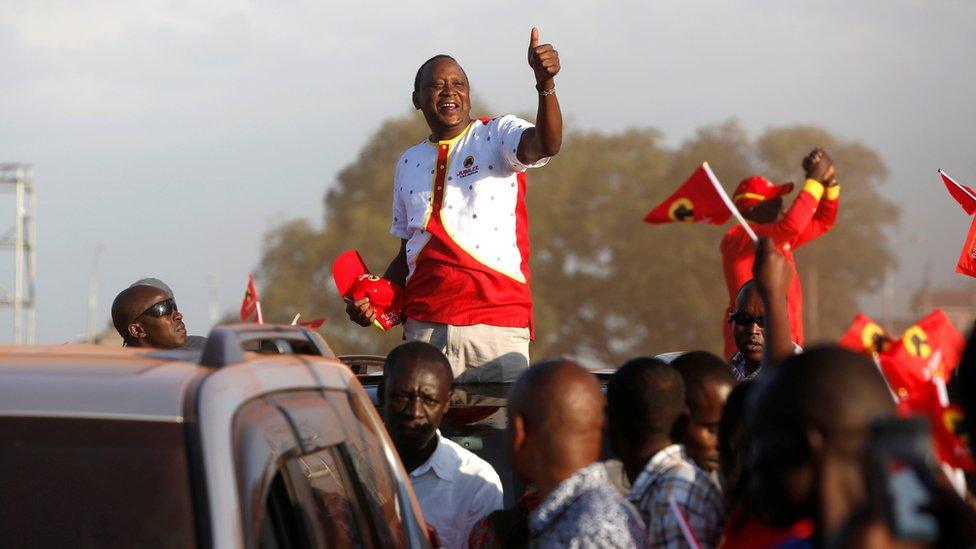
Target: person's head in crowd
759 199
645 400
441 92
708 383
555 423
747 324
147 316
733 443
810 423
417 389
150 281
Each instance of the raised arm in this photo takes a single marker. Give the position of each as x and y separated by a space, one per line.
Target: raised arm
546 137
795 224
772 274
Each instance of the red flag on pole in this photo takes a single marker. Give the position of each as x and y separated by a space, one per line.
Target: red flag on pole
965 196
865 336
916 368
699 198
251 305
967 257
313 324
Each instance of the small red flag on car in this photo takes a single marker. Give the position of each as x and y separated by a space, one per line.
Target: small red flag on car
965 196
251 305
313 324
699 199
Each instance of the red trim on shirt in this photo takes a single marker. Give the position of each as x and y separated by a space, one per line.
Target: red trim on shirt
448 286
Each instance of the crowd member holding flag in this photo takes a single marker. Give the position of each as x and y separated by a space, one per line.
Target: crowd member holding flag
812 214
459 212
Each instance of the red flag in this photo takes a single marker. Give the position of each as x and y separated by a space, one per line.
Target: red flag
865 336
251 305
916 368
313 324
965 196
967 257
938 332
700 198
945 422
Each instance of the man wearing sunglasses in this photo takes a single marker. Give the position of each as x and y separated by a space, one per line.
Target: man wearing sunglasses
747 322
147 316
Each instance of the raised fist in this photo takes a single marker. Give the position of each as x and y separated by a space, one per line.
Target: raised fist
819 166
544 61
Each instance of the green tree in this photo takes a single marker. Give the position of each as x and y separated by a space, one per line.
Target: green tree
606 286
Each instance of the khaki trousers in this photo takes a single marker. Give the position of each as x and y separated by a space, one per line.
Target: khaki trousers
478 353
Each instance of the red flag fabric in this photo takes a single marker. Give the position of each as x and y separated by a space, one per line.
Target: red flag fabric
314 324
700 198
967 257
938 332
916 368
865 336
965 196
251 304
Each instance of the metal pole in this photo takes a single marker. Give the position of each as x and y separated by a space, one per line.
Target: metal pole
31 251
93 295
19 255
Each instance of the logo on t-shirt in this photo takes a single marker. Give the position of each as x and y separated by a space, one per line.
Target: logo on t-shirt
469 167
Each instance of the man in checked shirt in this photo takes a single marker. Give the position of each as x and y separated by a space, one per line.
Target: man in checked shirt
645 397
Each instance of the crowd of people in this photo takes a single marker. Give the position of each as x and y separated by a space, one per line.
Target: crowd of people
770 445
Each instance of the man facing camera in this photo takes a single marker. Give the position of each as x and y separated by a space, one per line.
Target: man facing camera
454 487
460 214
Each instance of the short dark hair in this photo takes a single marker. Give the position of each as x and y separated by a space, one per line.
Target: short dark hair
417 351
645 398
420 71
699 367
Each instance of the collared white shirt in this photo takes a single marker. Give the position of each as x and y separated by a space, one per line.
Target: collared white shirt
455 488
482 195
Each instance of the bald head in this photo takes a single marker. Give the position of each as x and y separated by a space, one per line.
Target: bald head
162 327
815 405
130 303
556 408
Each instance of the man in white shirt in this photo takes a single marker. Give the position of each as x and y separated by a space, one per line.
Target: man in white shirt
459 211
454 487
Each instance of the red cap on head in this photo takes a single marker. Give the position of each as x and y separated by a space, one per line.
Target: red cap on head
756 189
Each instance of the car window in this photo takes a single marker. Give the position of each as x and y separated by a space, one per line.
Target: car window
331 420
69 482
341 521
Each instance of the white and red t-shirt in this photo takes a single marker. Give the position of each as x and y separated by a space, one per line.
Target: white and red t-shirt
460 205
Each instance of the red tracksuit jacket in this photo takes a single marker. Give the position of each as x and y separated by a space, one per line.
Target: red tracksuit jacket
812 214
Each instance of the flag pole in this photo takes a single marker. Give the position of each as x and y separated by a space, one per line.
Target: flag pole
295 320
728 202
260 316
961 188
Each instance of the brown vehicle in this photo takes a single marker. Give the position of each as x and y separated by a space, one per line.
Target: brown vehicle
262 440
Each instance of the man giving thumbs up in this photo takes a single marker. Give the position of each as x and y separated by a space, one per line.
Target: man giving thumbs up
459 211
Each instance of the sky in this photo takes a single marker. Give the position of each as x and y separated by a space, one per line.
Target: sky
172 135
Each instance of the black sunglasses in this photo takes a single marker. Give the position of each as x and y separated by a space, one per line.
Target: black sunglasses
159 310
745 320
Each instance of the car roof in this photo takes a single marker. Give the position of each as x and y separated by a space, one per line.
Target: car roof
102 382
95 381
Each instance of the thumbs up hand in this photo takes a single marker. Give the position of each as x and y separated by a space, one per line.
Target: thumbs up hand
544 61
